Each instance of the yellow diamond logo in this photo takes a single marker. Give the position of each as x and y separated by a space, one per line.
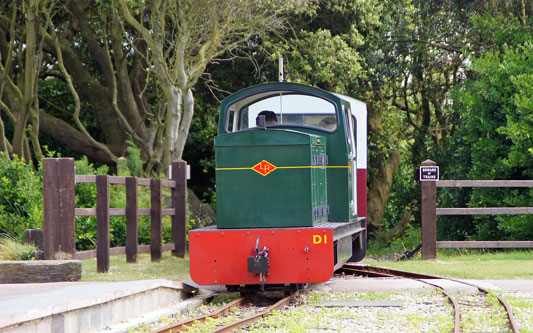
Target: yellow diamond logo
264 167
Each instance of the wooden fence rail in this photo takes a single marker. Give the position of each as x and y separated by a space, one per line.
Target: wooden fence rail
59 213
429 212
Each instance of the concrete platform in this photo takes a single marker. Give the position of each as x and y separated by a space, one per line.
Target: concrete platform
89 306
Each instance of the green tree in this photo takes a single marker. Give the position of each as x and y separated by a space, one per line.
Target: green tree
21 57
497 117
21 198
130 69
400 57
179 48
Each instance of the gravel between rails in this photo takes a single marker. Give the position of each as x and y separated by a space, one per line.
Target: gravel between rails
422 310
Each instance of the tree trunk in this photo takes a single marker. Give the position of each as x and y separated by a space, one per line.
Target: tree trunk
4 143
19 130
30 75
97 94
74 139
174 100
188 113
399 228
379 190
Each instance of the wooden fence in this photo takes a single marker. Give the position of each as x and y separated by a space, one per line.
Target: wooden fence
429 212
60 212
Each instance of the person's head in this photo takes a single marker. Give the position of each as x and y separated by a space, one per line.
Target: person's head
328 122
270 117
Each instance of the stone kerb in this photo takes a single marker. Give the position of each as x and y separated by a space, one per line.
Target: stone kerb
38 271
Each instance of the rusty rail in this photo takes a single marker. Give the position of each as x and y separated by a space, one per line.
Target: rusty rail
256 317
387 272
223 310
182 325
379 272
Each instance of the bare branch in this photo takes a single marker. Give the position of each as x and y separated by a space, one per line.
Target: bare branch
77 105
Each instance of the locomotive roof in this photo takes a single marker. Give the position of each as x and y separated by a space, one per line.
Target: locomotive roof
272 86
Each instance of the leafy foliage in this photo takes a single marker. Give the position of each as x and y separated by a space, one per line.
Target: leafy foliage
497 122
409 240
21 201
401 57
323 59
200 150
86 198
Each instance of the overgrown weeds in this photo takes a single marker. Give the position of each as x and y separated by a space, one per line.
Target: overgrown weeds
10 249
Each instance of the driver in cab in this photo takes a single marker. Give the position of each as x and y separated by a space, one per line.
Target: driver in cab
270 117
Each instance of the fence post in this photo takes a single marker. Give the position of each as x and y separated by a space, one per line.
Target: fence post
156 230
102 223
179 198
59 209
429 216
36 237
132 227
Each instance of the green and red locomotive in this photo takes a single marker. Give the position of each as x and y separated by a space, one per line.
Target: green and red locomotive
291 189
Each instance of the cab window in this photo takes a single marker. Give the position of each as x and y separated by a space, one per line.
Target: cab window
282 108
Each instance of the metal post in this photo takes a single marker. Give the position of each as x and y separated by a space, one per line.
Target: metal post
59 209
179 203
429 216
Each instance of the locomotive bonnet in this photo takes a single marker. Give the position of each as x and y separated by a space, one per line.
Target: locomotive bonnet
291 189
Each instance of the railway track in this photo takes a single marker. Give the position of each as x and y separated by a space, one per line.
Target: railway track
224 310
372 271
463 306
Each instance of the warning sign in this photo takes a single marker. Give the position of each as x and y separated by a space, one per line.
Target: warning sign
429 173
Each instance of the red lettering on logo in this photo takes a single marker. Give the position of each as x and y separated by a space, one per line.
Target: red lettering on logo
264 168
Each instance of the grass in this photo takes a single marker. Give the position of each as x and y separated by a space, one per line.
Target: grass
170 268
508 265
10 249
504 265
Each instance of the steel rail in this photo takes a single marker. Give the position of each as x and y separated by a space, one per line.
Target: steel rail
416 276
378 273
503 302
256 317
216 314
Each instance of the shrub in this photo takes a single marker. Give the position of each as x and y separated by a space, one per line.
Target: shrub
410 239
86 198
10 249
21 198
21 202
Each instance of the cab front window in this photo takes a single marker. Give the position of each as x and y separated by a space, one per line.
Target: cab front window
281 108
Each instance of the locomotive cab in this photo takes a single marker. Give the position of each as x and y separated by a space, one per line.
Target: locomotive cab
291 191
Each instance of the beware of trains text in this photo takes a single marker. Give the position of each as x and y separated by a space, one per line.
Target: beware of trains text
428 173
